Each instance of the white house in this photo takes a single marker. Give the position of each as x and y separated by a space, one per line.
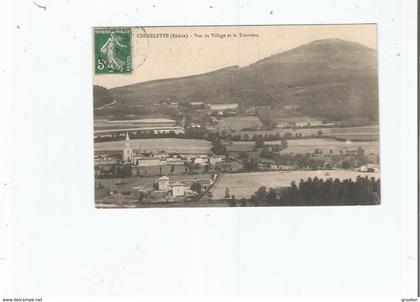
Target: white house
369 168
177 189
216 159
199 160
163 183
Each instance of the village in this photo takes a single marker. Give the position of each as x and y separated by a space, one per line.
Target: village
140 162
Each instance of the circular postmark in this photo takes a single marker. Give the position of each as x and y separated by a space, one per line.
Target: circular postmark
141 44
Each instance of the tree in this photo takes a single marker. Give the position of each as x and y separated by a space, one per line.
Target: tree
265 153
124 171
374 198
346 164
312 192
227 193
196 187
294 198
218 147
243 155
232 202
271 197
260 194
259 142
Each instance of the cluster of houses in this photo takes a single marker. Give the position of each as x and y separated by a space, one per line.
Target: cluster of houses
231 109
165 190
153 163
302 122
219 109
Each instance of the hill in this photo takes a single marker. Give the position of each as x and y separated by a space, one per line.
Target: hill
101 96
331 79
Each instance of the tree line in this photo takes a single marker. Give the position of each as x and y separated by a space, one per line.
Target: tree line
317 192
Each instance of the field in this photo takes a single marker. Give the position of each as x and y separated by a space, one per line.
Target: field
138 123
245 184
309 145
241 146
356 133
238 123
351 133
176 145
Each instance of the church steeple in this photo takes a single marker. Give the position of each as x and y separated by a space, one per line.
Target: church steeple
127 140
127 151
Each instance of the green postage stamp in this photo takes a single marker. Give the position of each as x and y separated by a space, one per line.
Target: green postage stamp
112 50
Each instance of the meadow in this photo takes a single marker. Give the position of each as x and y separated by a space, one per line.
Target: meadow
238 123
351 133
245 184
325 145
308 145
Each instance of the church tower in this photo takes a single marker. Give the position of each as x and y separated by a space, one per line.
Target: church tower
127 151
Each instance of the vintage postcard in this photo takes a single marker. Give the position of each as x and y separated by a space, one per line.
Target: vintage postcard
236 116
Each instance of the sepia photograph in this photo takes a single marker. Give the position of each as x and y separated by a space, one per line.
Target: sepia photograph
236 116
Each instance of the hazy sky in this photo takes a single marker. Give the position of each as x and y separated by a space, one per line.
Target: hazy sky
160 56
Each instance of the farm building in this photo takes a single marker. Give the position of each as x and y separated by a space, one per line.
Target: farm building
310 123
221 109
229 166
149 161
196 104
205 182
298 122
168 130
217 107
174 161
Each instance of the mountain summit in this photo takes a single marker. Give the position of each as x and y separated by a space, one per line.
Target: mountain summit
329 78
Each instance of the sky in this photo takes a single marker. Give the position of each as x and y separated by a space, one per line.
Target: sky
168 52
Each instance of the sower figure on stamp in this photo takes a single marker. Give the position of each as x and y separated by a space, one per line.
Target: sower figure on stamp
108 49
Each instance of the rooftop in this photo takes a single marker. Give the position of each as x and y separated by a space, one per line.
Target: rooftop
223 106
